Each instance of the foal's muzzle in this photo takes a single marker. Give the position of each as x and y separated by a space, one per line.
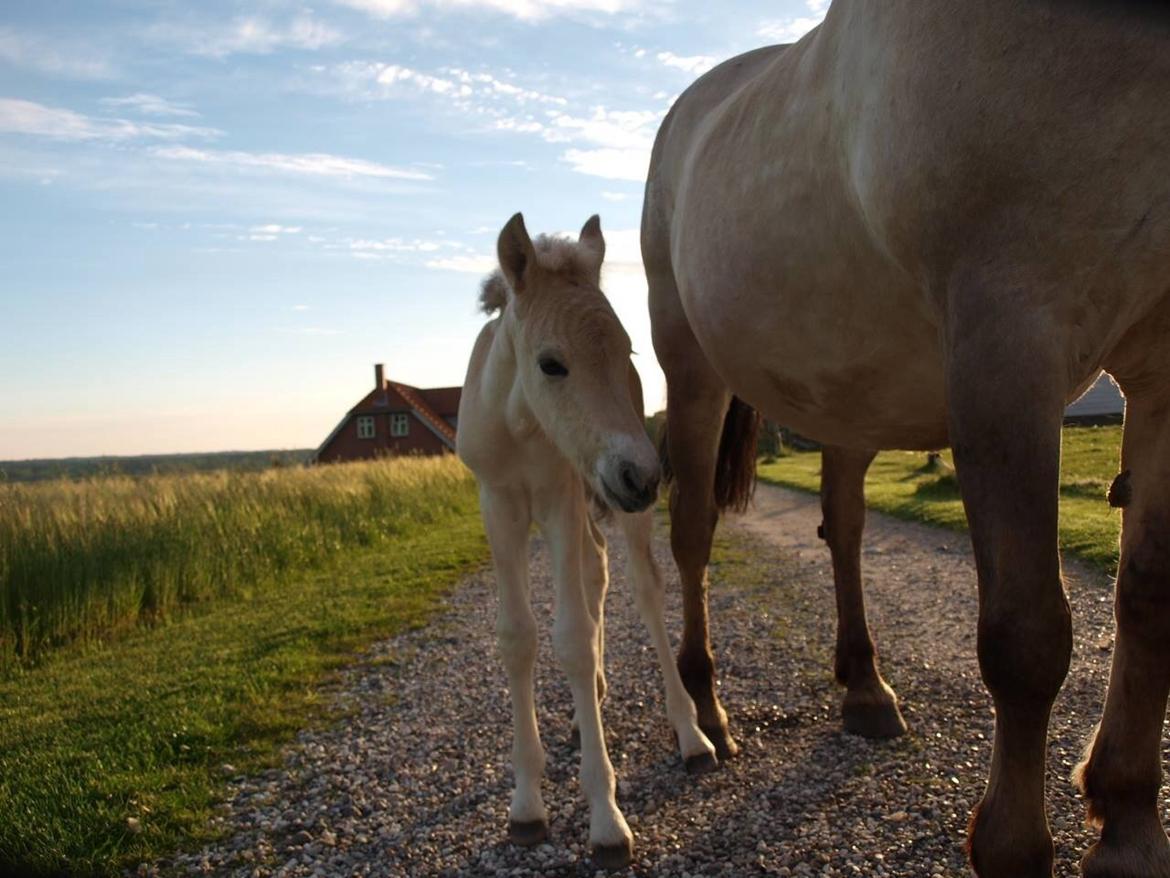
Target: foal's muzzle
631 488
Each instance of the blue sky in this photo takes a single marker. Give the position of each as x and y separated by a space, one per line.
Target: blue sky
217 216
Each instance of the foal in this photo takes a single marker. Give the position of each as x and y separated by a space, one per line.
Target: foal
551 416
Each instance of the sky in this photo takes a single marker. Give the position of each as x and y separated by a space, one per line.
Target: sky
215 217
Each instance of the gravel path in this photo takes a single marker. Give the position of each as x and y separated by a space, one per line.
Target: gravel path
415 782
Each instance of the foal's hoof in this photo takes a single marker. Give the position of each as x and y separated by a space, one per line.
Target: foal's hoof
725 746
701 763
612 857
527 833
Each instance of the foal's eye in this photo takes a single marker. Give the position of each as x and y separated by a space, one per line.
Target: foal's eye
552 367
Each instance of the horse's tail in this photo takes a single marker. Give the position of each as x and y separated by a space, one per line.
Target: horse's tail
735 467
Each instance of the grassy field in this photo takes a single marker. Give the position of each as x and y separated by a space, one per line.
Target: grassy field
88 559
114 749
899 483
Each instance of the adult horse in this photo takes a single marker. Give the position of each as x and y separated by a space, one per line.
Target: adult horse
929 224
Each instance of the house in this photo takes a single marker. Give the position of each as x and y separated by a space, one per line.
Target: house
394 419
1102 403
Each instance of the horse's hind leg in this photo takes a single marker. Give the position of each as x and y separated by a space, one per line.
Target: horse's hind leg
697 752
870 707
1123 775
507 519
1006 382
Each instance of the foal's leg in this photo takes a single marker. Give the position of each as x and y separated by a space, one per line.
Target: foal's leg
870 707
595 573
507 519
698 753
1124 772
575 641
1005 387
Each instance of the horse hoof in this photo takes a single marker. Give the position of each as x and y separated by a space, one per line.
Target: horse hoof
873 719
725 746
612 857
999 844
575 738
1145 854
527 833
701 763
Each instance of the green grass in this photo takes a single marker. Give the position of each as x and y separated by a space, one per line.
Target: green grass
898 483
86 560
102 732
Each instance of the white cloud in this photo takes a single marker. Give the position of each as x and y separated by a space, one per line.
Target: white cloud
613 164
466 264
618 129
393 245
300 307
690 63
525 10
789 30
308 330
26 117
275 229
623 252
251 35
499 87
310 164
35 53
614 196
149 105
468 91
618 141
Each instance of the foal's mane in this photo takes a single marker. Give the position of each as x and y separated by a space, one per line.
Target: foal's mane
562 256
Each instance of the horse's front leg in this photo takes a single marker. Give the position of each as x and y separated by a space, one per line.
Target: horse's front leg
1123 775
698 752
576 645
870 708
1006 380
694 415
507 519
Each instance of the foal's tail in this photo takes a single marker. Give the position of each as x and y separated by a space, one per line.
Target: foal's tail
735 467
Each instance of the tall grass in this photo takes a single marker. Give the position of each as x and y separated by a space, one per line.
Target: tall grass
80 560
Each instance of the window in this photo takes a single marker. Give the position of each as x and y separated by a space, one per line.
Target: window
365 426
400 425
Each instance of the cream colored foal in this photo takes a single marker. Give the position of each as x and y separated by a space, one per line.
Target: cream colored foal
550 419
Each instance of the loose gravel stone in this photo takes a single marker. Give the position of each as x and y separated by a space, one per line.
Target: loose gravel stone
416 780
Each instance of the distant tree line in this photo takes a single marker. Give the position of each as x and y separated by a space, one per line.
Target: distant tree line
149 464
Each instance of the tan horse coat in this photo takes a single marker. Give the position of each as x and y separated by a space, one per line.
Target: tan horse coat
930 224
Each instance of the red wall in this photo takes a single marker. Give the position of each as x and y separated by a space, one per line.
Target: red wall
347 446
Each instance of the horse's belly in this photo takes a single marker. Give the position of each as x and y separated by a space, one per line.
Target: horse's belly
856 366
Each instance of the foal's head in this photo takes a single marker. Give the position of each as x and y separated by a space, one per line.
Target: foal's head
573 359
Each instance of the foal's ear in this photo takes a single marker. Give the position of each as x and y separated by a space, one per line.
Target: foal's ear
592 238
516 253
